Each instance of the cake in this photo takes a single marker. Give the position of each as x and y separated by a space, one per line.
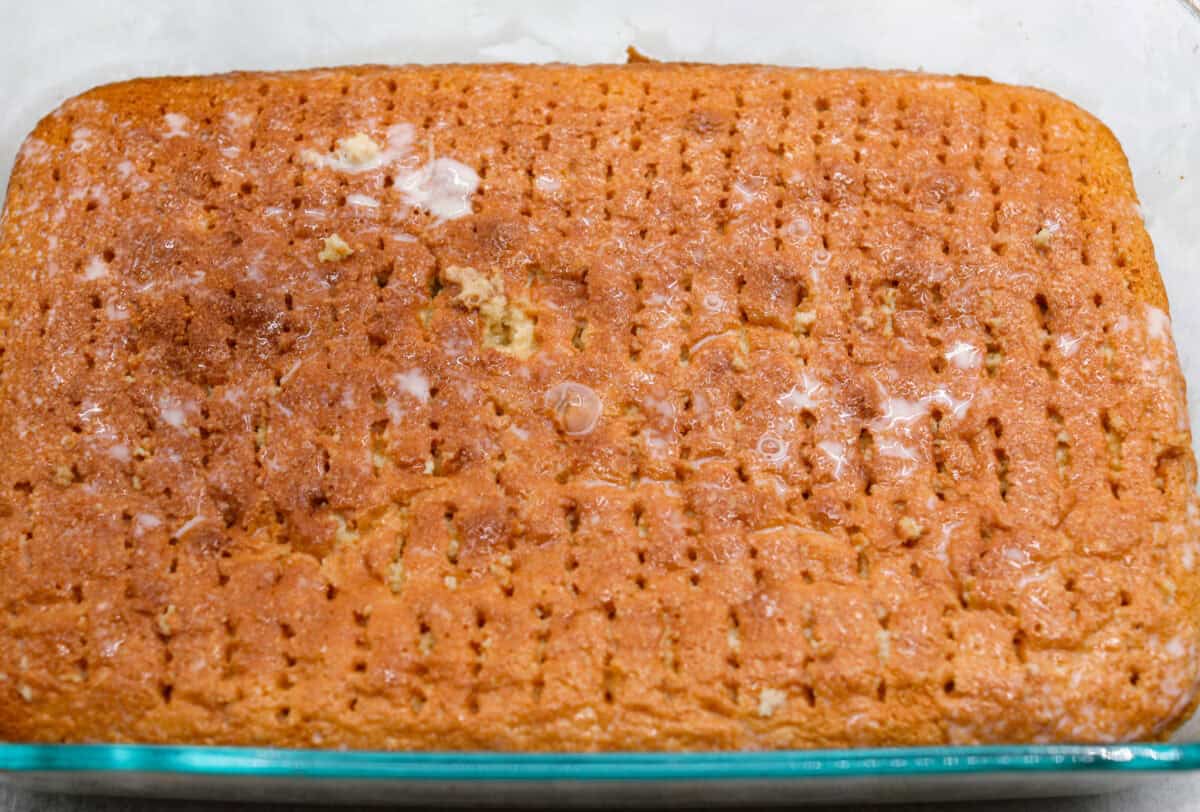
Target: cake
644 407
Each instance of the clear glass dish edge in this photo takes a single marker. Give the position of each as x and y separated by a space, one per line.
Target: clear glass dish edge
689 766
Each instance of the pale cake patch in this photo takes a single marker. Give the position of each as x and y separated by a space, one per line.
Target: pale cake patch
506 325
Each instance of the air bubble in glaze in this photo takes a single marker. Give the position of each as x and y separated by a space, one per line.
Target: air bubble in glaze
773 449
798 229
576 407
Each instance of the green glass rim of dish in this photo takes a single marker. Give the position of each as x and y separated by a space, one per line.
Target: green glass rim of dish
687 766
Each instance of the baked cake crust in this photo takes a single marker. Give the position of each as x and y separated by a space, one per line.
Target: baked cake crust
656 406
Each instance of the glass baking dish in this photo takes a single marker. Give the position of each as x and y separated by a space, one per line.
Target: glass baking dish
1133 63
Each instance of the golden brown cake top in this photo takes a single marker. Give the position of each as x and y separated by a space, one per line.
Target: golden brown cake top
657 406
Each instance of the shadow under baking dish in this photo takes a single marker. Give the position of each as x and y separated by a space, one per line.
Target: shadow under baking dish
914 773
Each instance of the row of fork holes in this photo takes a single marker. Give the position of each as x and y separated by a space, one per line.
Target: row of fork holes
244 190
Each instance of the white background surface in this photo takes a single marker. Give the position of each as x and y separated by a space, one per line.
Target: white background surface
1133 63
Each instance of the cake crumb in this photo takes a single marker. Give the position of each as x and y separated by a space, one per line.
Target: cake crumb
358 149
769 701
1042 238
334 249
356 152
395 577
803 321
164 621
883 641
992 361
910 529
343 534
